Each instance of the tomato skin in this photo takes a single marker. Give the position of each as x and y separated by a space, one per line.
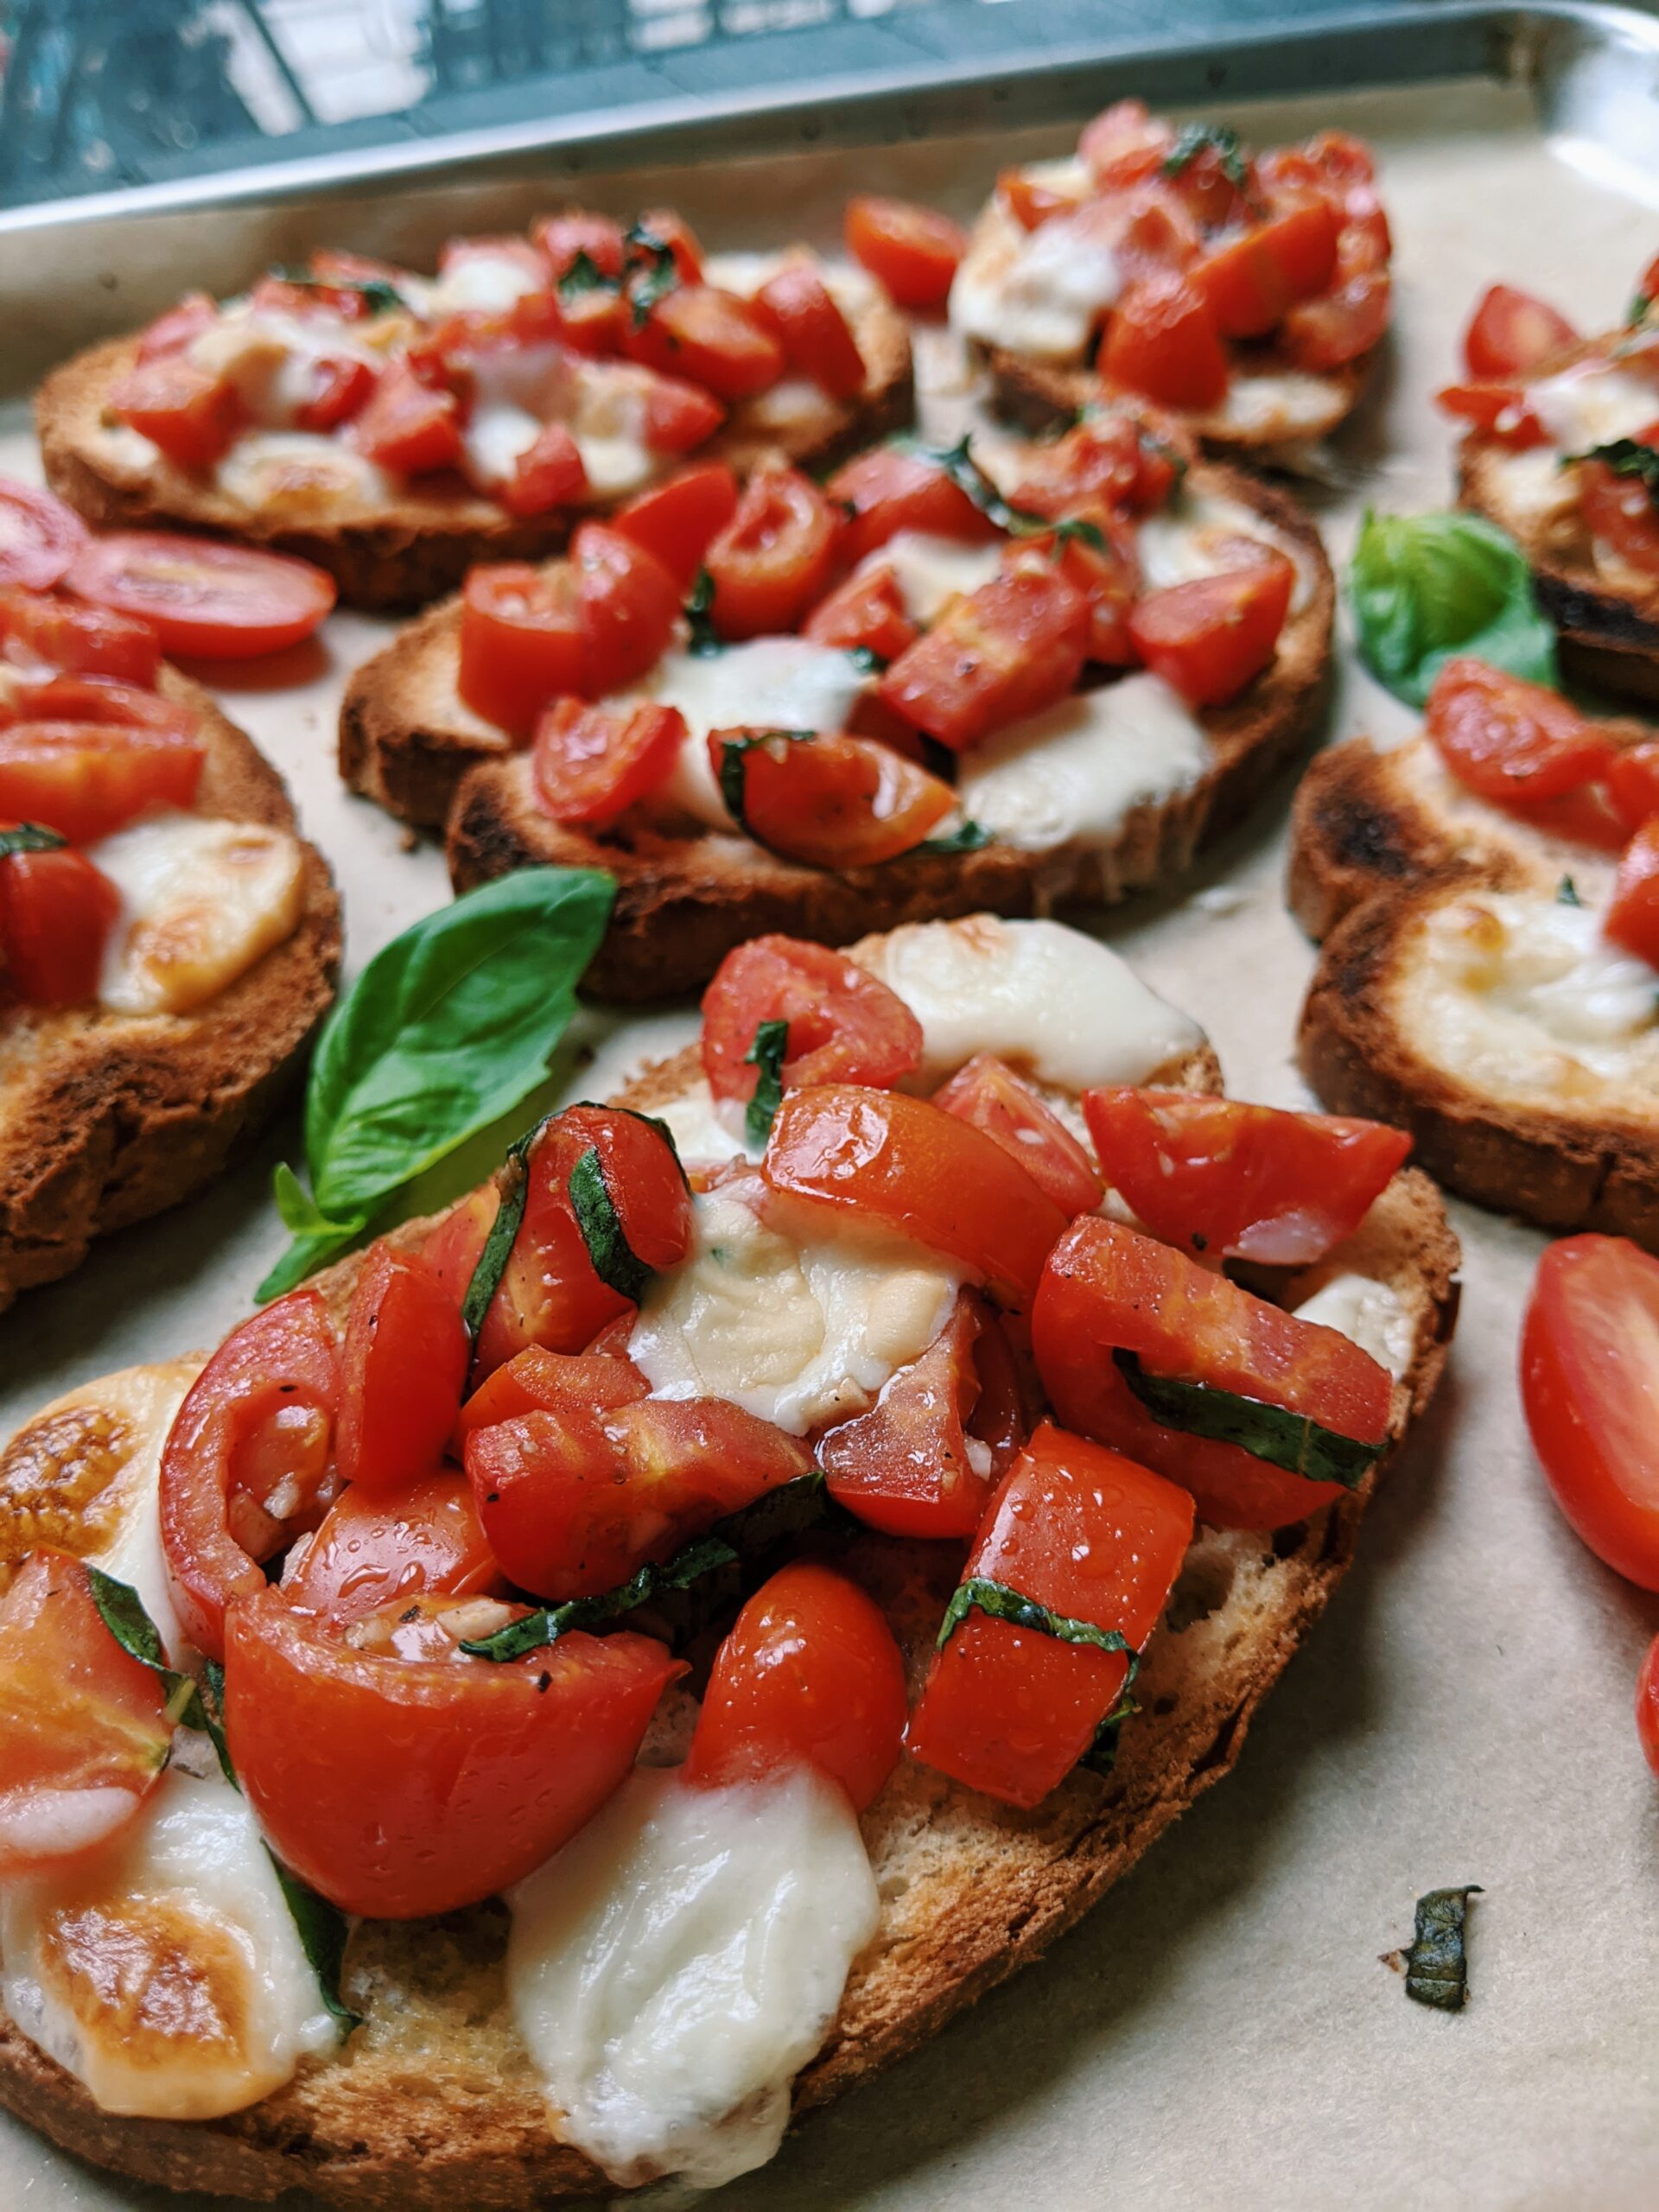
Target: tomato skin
667 228
559 239
1211 638
912 252
85 779
902 1465
831 800
410 426
39 536
172 332
1110 461
373 1551
1106 578
808 1673
845 1025
865 612
549 473
1124 143
1499 410
1340 325
399 1787
1588 1389
1222 1178
629 608
1632 780
194 417
922 1173
1162 340
1511 332
1094 1537
1004 651
709 337
889 490
1250 282
81 640
775 556
262 1408
230 602
812 329
1621 510
402 1369
1107 1287
98 701
56 911
1647 1706
521 641
83 1729
676 520
591 765
1632 918
679 414
1510 739
535 1380
986 1092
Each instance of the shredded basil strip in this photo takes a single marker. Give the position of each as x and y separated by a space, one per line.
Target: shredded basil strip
513 1183
29 838
1626 457
652 265
1566 893
1102 1755
1437 1969
957 463
1219 138
1294 1441
767 1053
323 1929
1004 1602
584 274
122 1612
379 297
734 754
966 837
615 1261
703 640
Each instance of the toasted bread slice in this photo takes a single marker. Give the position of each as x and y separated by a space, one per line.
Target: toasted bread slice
106 1118
409 551
434 2103
1273 412
1463 992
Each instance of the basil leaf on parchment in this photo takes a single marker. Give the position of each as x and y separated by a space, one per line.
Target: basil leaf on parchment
1426 588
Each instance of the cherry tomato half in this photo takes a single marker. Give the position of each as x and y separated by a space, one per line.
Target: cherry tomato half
39 535
1162 340
677 519
371 1551
998 654
888 490
226 602
592 763
775 556
912 252
402 1368
1510 739
1632 916
1211 638
826 798
1512 332
845 1026
84 781
79 640
56 911
986 1092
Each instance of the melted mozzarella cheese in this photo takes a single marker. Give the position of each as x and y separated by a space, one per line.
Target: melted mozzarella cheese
1591 403
768 682
706 1132
675 1965
200 902
272 358
168 1975
1071 774
1287 404
1039 292
796 1332
496 434
1370 1313
298 470
932 571
1534 482
487 283
1047 999
1187 541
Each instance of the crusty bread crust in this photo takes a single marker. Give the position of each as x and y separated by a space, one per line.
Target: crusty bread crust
435 2104
409 553
1045 395
106 1118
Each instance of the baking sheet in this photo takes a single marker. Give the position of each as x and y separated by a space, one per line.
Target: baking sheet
1220 2033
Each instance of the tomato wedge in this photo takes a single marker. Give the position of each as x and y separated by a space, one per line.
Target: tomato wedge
402 1369
808 1673
775 556
826 798
1106 1289
677 519
226 601
1211 638
1106 576
1095 1540
399 1787
912 252
84 780
79 640
1225 1178
888 490
1107 461
845 1026
373 1552
813 330
709 337
247 1461
56 911
920 1173
1632 918
84 1730
98 699
1512 332
1251 281
193 415
591 765
549 473
1632 779
1124 143
39 535
410 426
1590 1385
1620 509
628 605
906 1466
1510 739
1004 651
1340 325
535 1380
1500 409
1162 340
866 612
521 641
986 1092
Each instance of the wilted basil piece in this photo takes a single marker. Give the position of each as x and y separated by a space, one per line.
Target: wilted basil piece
1219 138
1294 1441
29 838
767 1054
615 1261
1437 1971
323 1928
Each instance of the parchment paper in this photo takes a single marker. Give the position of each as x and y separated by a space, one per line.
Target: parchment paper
1221 2033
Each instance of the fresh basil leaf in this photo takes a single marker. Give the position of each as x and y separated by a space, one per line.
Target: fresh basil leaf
447 1029
1566 893
1294 1441
1426 588
615 1261
1627 457
1002 1602
584 274
212 1708
29 838
512 1181
767 1054
122 1612
652 271
966 837
1437 1971
734 757
1219 138
323 1929
703 639
1641 306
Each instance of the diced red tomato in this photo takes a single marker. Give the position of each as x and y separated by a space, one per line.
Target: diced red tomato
866 611
521 641
39 536
1590 1385
591 765
535 1380
845 1026
1029 199
1212 638
1006 651
1125 143
1151 229
230 602
340 389
808 1673
193 415
1340 326
1162 340
1621 510
888 490
1510 739
679 415
402 1371
548 473
709 337
1223 1179
1106 576
172 332
85 778
677 519
409 427
399 1787
574 1500
1632 779
79 640
1205 182
560 238
84 1727
1512 332
665 228
1107 1288
1499 410
1253 279
247 1464
828 799
775 556
629 606
100 701
1109 461
594 323
1094 1538
922 1174
373 1550
986 1092
56 911
912 252
550 1292
455 1247
1632 918
904 1467
812 329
